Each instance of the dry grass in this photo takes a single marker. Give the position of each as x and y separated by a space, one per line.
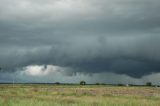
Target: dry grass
42 95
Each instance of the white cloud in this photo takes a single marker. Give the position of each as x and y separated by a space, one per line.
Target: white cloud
39 70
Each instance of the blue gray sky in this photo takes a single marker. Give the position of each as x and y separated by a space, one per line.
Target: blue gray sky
112 41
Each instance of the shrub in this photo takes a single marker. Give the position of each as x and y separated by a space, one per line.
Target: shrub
120 84
57 83
82 83
148 84
97 83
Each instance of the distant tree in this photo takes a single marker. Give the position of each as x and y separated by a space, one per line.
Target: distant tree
103 84
149 84
97 83
120 84
100 83
57 83
82 83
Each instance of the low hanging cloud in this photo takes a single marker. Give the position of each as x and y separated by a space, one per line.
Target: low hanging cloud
84 36
52 74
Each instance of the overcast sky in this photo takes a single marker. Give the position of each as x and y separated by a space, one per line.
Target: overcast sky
110 41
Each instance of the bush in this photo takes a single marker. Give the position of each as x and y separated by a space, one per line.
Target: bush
120 85
97 83
82 83
148 84
57 83
103 84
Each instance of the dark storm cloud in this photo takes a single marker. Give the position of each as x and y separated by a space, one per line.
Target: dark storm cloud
88 36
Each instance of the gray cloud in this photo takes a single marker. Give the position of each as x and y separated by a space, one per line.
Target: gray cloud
51 75
87 36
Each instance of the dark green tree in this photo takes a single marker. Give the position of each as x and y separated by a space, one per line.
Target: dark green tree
149 84
82 83
57 83
97 83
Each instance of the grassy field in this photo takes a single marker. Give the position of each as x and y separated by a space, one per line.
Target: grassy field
75 95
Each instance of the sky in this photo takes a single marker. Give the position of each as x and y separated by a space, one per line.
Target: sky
108 41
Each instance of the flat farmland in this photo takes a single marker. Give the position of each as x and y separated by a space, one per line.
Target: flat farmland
76 95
